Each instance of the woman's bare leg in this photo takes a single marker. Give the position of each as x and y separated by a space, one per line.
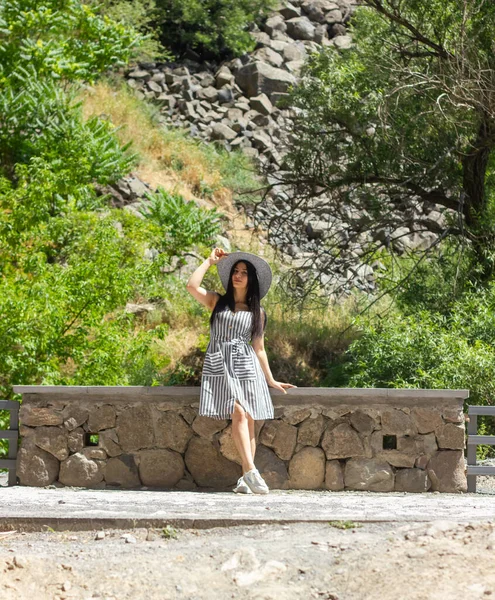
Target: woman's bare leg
242 437
252 435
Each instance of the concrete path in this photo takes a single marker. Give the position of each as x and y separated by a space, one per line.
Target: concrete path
35 509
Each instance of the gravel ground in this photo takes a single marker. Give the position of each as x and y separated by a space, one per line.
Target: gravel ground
437 561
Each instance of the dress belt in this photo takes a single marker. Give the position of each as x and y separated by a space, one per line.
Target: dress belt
238 344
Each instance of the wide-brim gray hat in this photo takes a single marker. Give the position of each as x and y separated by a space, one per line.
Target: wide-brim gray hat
262 269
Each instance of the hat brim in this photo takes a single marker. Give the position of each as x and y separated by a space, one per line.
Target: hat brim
263 269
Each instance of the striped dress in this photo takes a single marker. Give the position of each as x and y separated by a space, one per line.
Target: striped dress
231 370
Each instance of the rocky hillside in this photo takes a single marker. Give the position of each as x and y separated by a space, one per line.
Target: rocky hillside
242 104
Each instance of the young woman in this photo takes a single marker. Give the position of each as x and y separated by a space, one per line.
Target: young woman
236 374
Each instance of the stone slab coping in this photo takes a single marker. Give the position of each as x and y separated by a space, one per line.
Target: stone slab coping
299 396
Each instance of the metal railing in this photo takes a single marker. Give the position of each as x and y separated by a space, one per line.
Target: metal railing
474 440
12 435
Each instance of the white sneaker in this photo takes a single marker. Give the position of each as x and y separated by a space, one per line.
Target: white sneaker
242 487
256 482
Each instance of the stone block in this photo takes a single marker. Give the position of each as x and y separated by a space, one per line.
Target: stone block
453 415
52 440
271 467
79 471
307 469
94 452
295 416
281 437
35 416
258 77
109 441
334 476
368 474
36 467
228 447
362 422
101 417
160 468
75 440
261 104
122 470
412 480
300 28
310 431
135 428
207 465
206 427
342 441
446 470
450 436
74 417
397 422
171 431
426 419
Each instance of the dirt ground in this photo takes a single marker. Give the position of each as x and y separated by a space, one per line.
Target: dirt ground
385 561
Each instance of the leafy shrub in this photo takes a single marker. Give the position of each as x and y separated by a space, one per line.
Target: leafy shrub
216 26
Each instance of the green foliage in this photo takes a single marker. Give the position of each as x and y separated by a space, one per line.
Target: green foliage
183 224
59 40
216 26
344 524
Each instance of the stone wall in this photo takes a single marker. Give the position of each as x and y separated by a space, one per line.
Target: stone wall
321 438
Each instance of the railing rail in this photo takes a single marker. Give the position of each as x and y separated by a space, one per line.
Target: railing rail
473 470
12 435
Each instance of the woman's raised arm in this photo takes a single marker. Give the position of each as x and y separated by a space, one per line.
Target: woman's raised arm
208 299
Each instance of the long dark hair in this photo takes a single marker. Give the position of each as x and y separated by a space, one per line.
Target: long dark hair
252 299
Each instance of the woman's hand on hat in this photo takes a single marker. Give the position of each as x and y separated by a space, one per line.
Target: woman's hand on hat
278 385
217 254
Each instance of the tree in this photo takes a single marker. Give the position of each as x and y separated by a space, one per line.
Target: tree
402 120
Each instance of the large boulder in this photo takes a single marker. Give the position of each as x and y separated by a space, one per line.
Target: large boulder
102 417
446 470
34 416
271 467
334 476
307 469
160 468
368 474
300 28
207 465
172 431
280 436
131 437
36 467
309 432
260 78
342 442
53 440
122 470
412 480
79 471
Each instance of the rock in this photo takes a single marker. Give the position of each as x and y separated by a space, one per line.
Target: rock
279 436
412 480
316 229
122 471
368 474
75 440
334 16
171 431
450 436
261 141
138 188
36 467
426 419
228 447
309 432
109 441
276 22
207 427
79 471
342 442
160 468
446 470
307 469
131 437
269 56
290 12
293 417
225 95
342 42
101 417
34 416
53 440
397 422
295 51
271 467
321 34
220 131
139 74
362 422
300 28
262 38
453 415
258 77
261 104
209 93
223 77
208 467
74 416
334 476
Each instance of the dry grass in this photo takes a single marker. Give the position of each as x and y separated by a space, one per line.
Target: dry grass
165 158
